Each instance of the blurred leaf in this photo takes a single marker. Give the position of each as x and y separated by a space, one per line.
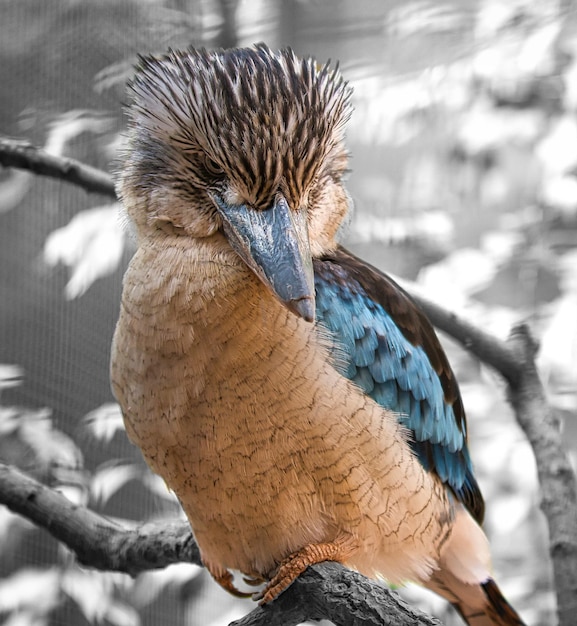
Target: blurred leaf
557 151
570 82
519 48
560 193
95 594
27 617
12 527
464 271
498 16
387 114
521 218
10 376
70 125
91 244
374 228
149 585
537 54
500 245
51 446
13 451
114 74
421 18
110 477
156 485
484 128
104 422
75 492
8 519
122 614
9 420
88 589
13 189
396 110
29 440
16 590
430 226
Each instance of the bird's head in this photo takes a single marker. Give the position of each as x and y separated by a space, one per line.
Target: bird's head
247 144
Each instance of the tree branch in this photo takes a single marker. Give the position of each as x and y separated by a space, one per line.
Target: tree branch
346 598
325 591
556 477
23 155
483 345
97 541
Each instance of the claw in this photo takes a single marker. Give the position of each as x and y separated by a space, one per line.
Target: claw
225 581
297 562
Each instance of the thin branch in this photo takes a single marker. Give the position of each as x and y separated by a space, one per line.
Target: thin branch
486 347
97 541
23 155
326 591
556 476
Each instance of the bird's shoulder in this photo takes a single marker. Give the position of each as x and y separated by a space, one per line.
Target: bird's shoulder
385 344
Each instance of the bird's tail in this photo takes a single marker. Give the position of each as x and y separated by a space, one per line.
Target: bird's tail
478 605
464 577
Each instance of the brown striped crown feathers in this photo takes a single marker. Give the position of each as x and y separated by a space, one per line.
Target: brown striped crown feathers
248 122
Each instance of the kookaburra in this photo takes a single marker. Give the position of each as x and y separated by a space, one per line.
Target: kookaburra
294 398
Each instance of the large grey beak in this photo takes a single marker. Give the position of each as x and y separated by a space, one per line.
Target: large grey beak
274 244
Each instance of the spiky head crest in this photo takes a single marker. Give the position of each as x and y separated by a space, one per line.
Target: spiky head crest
259 119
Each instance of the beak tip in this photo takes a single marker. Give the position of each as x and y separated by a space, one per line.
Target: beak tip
303 307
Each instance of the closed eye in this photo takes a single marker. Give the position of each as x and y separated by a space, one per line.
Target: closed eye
213 168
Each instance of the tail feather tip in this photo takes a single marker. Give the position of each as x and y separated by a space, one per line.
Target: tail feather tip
501 612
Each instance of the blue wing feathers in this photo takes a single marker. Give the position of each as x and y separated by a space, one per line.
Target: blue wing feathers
365 347
386 394
383 343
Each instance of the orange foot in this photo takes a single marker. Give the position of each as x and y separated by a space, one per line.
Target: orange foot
225 581
297 562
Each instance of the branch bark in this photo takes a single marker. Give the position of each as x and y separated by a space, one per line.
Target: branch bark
483 345
23 155
556 477
97 541
513 359
346 598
